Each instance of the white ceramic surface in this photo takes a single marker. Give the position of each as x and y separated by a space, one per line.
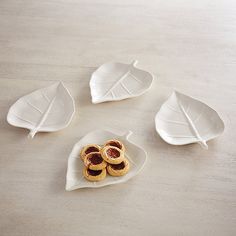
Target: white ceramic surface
116 81
135 154
45 110
183 120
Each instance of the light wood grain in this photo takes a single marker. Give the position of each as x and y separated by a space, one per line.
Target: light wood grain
189 45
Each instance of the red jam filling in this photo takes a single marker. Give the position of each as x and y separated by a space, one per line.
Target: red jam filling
91 149
96 159
118 166
113 153
94 172
115 144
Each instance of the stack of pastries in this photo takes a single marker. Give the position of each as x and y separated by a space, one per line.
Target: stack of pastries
98 161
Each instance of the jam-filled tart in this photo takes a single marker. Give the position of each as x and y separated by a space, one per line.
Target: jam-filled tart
94 175
115 143
88 149
94 161
118 169
112 155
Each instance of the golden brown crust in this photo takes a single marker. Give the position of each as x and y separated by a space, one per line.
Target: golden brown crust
111 169
115 143
97 164
94 178
85 150
112 155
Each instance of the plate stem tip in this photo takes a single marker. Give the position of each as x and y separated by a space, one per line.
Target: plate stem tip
203 144
134 63
32 133
128 134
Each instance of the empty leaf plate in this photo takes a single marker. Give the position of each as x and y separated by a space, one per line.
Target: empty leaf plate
45 110
117 81
135 154
183 120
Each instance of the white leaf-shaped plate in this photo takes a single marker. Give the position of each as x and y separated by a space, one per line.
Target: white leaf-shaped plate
183 120
117 81
45 110
135 154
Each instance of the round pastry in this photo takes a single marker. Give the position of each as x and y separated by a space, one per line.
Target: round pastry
118 169
94 161
88 149
115 143
94 175
112 155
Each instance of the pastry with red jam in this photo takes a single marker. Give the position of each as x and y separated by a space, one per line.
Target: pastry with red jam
118 169
94 175
94 161
115 143
112 154
88 149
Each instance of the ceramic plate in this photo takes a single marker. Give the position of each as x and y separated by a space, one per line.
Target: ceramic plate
134 153
183 120
115 81
44 110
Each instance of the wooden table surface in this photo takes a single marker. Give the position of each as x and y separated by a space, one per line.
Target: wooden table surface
189 45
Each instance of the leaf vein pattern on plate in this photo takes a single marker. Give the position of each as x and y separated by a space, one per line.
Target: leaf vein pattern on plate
173 121
172 108
119 81
23 119
33 106
125 88
199 115
179 136
45 96
135 78
202 142
42 118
